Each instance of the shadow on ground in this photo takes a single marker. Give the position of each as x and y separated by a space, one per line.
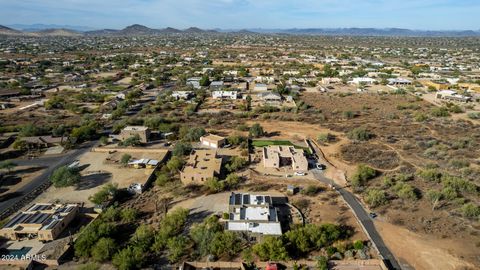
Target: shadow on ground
93 180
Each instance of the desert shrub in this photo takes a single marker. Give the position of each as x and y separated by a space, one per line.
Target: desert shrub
420 117
459 163
362 175
431 175
405 191
459 184
474 115
470 210
256 131
358 245
449 193
311 190
440 112
360 134
375 197
326 137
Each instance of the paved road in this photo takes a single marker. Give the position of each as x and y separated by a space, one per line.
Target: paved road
51 163
361 214
363 218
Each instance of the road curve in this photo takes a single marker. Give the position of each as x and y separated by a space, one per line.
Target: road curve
360 213
51 163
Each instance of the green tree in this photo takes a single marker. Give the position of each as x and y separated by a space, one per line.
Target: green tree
205 80
233 180
107 192
177 247
322 263
125 159
181 149
256 130
175 164
143 237
103 249
128 214
172 225
129 258
162 179
214 185
225 244
271 249
131 141
236 163
65 177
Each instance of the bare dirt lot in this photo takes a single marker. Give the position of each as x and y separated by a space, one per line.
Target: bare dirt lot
100 168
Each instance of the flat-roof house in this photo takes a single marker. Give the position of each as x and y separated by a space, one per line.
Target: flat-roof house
216 85
213 141
131 131
399 81
253 213
452 96
194 82
270 98
202 165
260 87
186 95
44 220
277 156
363 80
43 141
225 94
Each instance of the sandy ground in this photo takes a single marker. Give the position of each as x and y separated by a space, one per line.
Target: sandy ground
98 172
421 252
105 74
126 80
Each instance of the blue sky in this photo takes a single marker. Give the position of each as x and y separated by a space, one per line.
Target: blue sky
238 14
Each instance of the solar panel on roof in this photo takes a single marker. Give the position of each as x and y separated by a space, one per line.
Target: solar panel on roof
14 220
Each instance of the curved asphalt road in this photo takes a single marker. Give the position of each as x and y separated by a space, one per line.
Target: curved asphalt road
364 219
360 212
51 163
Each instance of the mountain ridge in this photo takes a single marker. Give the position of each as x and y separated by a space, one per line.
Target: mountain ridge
141 30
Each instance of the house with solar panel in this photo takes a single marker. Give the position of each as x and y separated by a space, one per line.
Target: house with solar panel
42 220
253 213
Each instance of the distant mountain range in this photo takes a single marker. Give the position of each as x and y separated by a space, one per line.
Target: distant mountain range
141 30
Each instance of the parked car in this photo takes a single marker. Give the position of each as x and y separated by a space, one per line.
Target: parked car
320 166
372 215
300 173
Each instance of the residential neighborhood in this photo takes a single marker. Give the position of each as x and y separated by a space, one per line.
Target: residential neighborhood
145 148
